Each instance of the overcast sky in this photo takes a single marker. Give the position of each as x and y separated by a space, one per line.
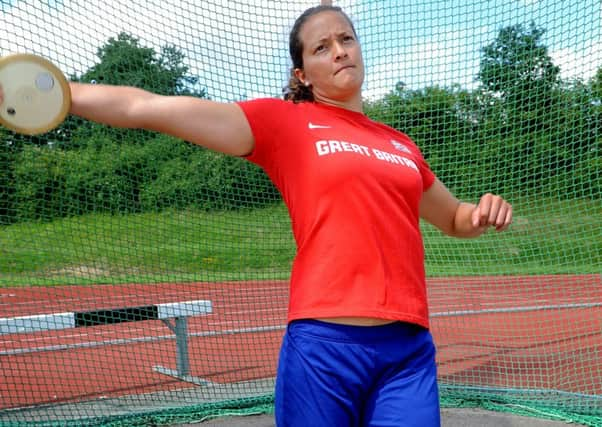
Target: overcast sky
239 49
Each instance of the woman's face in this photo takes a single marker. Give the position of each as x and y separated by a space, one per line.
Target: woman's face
332 58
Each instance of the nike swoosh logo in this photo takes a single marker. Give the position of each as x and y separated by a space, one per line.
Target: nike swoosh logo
313 126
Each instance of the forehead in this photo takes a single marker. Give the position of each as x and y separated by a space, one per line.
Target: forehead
324 25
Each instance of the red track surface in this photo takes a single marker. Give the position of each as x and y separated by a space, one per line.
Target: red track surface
517 332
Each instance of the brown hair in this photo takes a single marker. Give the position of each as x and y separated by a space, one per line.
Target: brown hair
296 91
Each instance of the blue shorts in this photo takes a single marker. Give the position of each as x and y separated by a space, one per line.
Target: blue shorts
338 375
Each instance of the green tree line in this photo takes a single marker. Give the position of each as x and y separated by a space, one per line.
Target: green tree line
523 131
83 167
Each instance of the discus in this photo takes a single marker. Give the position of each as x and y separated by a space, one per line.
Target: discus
37 97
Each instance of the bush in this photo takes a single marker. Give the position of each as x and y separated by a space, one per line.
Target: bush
122 178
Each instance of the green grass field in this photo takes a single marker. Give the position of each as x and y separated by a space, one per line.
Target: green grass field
549 237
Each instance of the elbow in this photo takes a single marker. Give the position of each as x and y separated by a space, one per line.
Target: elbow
133 115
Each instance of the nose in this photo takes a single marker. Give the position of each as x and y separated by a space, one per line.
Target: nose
339 51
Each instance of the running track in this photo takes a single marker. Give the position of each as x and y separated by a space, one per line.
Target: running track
535 332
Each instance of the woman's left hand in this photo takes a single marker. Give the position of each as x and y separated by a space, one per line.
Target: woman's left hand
492 211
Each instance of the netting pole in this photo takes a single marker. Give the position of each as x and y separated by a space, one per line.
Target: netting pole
326 2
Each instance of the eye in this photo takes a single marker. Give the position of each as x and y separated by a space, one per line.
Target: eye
319 49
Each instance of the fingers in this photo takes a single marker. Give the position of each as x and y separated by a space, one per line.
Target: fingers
492 211
504 218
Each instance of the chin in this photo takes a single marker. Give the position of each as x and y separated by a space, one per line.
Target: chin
350 89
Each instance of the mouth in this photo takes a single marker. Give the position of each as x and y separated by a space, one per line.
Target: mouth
343 68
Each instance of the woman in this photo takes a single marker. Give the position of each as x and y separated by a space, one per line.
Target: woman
357 350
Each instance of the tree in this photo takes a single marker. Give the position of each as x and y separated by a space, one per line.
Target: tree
596 86
124 62
516 68
547 127
6 176
596 91
440 120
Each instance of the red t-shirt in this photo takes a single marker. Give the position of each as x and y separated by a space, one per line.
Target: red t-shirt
352 187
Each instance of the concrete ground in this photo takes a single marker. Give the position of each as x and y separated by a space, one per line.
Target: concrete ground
450 418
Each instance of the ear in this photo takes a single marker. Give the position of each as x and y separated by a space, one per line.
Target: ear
300 74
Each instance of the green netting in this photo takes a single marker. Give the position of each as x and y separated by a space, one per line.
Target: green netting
103 231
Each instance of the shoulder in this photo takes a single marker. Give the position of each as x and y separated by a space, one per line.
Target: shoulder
273 115
265 104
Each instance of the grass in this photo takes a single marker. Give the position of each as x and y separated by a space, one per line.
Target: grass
547 237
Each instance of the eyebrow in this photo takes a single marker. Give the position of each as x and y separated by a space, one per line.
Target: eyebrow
341 33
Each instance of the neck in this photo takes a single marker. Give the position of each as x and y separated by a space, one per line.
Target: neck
354 104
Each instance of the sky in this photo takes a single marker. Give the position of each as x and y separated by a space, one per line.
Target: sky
239 49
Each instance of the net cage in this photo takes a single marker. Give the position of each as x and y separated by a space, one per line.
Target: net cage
144 279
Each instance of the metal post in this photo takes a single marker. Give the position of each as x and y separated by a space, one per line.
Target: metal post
182 360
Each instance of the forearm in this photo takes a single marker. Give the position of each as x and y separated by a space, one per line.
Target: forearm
453 217
111 105
460 219
463 225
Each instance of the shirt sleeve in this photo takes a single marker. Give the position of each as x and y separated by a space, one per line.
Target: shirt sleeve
266 117
428 176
